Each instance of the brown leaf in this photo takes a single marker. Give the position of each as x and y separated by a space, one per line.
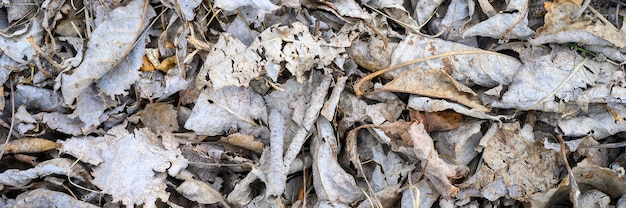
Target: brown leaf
160 117
434 83
31 145
438 121
244 140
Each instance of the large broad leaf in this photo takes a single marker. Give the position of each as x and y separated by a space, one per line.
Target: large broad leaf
109 43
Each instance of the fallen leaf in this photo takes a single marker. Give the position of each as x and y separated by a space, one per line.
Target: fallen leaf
199 191
522 163
159 117
331 182
244 140
99 59
434 83
132 160
31 145
218 110
46 198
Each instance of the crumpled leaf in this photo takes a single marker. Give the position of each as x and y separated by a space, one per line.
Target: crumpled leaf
468 65
217 111
61 122
37 98
132 160
232 5
187 7
58 166
522 163
550 81
331 182
502 25
438 171
434 83
230 63
46 198
18 47
119 79
460 143
559 28
597 122
199 191
127 22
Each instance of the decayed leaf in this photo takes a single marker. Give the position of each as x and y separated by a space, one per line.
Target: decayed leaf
331 182
159 117
597 122
199 191
37 98
119 79
559 28
131 161
438 121
18 47
31 145
466 64
46 198
550 81
434 105
61 122
390 170
89 109
244 140
232 5
58 166
437 170
434 83
229 63
460 143
117 33
502 25
523 165
217 111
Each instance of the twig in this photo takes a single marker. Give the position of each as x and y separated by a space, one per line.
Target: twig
574 190
6 142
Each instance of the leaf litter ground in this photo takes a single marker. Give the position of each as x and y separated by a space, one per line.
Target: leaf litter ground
313 104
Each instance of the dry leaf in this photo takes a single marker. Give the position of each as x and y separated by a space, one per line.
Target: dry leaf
46 198
131 160
217 111
199 191
244 140
438 121
31 145
434 83
521 162
438 171
58 166
159 117
99 58
331 182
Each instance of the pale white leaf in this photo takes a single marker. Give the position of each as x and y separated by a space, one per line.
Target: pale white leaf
468 65
217 111
117 33
125 161
502 25
199 191
330 180
18 47
46 198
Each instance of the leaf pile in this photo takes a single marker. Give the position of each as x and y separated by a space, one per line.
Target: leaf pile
312 103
